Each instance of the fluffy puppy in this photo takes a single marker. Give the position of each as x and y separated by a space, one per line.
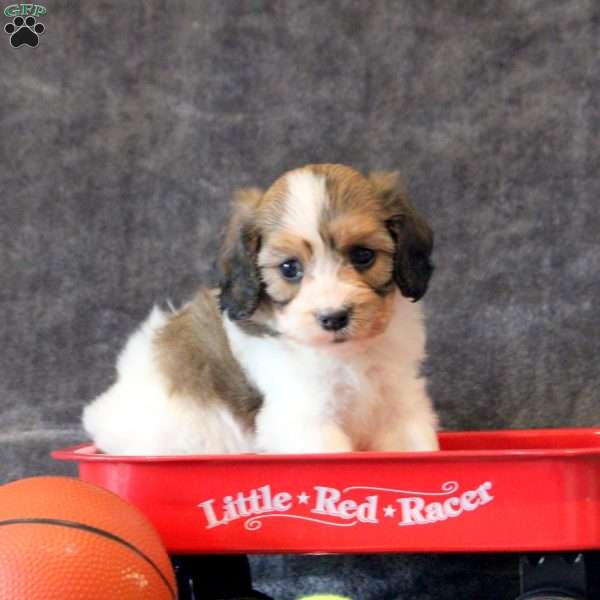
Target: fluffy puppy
312 343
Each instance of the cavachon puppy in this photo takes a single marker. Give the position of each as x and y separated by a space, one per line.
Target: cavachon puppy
312 343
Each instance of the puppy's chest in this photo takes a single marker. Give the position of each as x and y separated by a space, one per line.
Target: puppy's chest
349 386
357 396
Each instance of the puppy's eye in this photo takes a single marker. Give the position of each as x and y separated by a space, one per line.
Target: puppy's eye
362 258
291 270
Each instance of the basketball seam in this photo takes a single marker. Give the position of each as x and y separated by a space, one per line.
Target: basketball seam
91 529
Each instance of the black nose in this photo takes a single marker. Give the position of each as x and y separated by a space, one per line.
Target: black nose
334 320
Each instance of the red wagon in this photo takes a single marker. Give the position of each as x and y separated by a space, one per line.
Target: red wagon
529 491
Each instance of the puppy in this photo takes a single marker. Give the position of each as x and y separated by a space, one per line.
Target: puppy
312 343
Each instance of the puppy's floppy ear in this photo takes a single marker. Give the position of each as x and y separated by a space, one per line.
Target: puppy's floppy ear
412 234
240 283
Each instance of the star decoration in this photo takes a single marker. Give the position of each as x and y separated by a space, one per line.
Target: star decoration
303 498
389 511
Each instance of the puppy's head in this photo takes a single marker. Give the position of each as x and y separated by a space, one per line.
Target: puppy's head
322 253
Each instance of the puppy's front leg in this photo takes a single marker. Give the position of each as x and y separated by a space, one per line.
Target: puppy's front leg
407 435
290 431
408 422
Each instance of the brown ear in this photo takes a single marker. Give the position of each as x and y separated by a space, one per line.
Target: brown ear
240 283
413 236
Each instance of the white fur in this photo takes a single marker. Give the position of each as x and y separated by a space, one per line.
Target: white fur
307 195
355 396
138 415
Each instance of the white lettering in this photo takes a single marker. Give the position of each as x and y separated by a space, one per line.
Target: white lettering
326 499
329 501
448 504
483 492
435 512
470 500
347 509
411 511
416 511
367 511
209 513
282 501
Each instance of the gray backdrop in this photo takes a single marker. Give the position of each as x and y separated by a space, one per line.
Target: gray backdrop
124 132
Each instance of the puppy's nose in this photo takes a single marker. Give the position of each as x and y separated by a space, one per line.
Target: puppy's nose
334 320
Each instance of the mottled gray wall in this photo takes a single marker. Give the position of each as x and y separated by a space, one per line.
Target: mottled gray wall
124 132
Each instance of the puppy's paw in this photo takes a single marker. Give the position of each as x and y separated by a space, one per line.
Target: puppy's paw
331 439
409 436
307 439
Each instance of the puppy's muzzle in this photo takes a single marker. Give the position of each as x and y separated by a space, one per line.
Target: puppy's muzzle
334 320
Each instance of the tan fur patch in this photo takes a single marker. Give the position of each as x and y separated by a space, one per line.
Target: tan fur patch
282 245
193 353
356 217
348 189
359 228
279 247
371 313
272 206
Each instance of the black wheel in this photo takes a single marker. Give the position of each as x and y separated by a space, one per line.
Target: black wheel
209 577
554 576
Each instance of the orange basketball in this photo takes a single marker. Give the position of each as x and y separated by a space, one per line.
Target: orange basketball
63 539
